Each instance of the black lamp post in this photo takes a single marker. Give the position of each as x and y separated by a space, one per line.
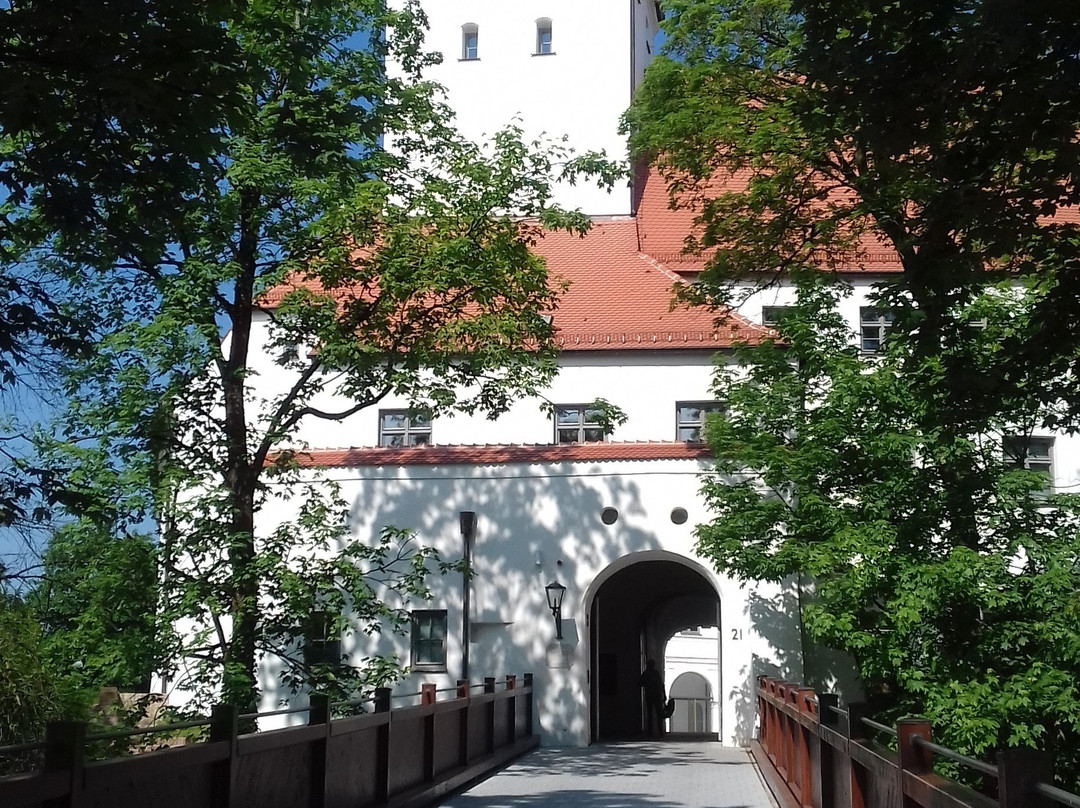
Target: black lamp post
555 592
467 521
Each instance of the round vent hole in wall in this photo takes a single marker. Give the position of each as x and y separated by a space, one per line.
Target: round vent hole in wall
608 516
678 516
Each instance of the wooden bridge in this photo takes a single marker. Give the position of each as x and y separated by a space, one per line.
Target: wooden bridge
810 751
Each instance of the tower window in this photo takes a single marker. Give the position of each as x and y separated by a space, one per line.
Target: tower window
543 36
470 38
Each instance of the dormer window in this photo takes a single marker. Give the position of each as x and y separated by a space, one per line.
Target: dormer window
543 36
470 38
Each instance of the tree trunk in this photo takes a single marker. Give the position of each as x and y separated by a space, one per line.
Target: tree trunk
239 683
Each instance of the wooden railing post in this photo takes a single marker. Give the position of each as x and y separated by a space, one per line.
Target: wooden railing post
428 696
1018 770
791 730
529 704
65 750
319 714
512 708
489 722
856 732
225 727
806 736
382 746
912 757
762 713
463 728
828 703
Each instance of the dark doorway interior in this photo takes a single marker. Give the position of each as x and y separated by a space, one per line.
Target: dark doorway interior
634 613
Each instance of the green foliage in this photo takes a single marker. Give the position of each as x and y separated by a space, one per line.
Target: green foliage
107 109
809 134
34 692
945 130
97 603
949 577
328 219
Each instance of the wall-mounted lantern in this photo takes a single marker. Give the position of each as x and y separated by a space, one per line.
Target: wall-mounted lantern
555 592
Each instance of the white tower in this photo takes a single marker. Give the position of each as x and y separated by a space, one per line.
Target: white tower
563 67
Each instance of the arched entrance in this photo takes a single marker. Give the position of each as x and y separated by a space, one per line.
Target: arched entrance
635 606
693 703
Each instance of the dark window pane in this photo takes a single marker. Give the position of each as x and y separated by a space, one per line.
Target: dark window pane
568 435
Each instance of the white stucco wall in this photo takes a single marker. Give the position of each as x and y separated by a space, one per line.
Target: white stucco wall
542 521
580 90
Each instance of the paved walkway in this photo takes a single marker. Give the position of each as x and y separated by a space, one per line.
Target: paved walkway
625 775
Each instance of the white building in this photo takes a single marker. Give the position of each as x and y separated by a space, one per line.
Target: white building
611 520
560 67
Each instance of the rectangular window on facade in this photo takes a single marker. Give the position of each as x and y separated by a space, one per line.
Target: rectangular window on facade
543 36
470 41
577 424
322 643
429 640
690 419
874 325
1033 454
400 428
773 316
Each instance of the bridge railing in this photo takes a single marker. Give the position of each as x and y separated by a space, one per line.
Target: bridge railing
815 754
391 756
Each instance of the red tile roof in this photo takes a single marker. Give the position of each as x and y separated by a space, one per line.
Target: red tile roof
662 231
500 454
620 298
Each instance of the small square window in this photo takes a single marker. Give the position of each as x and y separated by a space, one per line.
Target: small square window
1030 453
429 640
578 423
402 428
322 644
874 325
690 419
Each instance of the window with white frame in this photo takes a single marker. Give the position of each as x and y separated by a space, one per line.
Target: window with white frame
578 423
403 428
543 37
874 325
690 419
429 640
1032 454
470 41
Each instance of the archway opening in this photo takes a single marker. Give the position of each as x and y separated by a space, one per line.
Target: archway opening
693 704
633 614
